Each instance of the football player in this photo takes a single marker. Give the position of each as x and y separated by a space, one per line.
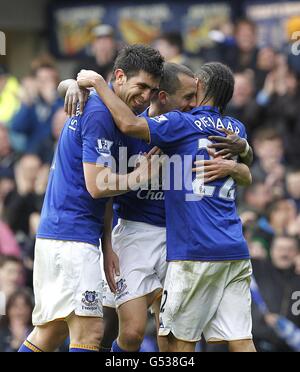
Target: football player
67 275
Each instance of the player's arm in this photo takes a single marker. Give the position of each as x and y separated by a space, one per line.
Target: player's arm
102 182
231 146
212 170
111 260
72 94
124 118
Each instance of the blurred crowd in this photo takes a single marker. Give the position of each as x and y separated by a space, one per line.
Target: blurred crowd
266 100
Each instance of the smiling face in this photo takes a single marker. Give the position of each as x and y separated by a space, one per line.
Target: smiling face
136 91
184 99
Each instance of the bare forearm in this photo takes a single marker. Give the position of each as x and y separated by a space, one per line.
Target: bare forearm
248 159
110 186
108 219
64 86
241 174
124 118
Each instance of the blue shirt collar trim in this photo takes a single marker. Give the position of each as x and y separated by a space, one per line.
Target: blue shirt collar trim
205 108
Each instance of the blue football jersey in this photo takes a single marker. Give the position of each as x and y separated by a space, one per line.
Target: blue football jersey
144 205
69 212
202 220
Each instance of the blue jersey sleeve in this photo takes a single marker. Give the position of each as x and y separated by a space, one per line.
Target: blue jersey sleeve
243 133
166 129
98 136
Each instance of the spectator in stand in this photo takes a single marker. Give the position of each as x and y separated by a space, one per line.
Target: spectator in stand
11 275
16 325
244 105
170 45
265 64
7 155
23 201
269 165
40 102
9 100
243 55
277 281
104 50
8 242
282 216
7 185
293 185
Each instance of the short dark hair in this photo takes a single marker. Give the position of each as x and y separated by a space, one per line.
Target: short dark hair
170 82
245 21
174 39
287 236
136 58
218 80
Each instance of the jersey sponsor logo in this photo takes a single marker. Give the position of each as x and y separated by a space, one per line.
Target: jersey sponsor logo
151 195
160 119
104 147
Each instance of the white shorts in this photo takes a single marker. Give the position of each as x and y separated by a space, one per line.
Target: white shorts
141 249
212 298
67 279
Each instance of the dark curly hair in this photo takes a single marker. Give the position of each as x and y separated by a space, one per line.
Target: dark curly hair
218 81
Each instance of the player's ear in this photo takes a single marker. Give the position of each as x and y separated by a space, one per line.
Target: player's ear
163 97
120 77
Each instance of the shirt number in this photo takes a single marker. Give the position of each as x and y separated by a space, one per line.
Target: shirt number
227 191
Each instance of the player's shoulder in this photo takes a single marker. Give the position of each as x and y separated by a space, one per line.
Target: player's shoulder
95 106
172 116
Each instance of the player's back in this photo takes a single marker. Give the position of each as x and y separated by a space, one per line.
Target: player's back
202 220
69 212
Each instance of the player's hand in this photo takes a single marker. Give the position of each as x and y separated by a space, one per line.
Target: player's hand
88 78
75 95
111 269
228 147
212 170
148 167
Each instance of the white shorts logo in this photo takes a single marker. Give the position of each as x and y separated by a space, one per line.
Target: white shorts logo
2 303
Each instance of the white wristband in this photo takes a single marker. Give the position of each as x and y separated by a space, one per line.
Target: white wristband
245 153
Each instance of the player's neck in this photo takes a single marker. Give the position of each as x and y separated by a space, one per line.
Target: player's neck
206 103
155 110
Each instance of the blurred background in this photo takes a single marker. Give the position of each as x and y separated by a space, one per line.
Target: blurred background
45 41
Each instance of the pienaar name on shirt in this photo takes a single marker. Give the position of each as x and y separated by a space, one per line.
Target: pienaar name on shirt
166 173
207 122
